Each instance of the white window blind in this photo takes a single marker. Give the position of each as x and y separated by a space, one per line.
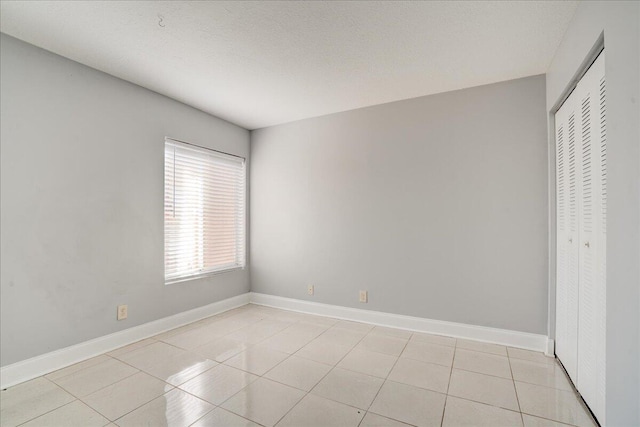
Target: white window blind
204 211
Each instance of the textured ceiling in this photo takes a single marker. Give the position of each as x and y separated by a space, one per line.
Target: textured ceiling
258 64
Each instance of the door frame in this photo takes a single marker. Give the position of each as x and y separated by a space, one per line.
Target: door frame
589 59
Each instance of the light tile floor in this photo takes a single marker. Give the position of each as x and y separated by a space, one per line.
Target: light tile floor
255 366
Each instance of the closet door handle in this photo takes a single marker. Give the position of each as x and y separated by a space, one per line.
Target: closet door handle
570 240
586 245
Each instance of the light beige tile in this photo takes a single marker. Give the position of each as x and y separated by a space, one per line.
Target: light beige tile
288 316
259 331
249 335
207 321
484 388
77 367
329 347
126 395
238 310
287 342
534 356
150 355
318 320
390 332
354 326
242 317
264 401
373 420
368 362
383 344
222 349
464 413
341 336
314 411
264 310
231 324
246 317
549 375
257 360
321 321
531 421
247 308
557 405
483 363
237 316
175 331
323 352
131 347
194 337
180 368
93 378
218 384
175 408
307 329
74 414
433 339
298 372
482 347
428 352
421 374
222 418
29 400
409 404
351 388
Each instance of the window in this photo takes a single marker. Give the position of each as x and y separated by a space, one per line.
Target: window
204 211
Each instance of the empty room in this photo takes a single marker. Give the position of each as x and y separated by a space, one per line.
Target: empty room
319 213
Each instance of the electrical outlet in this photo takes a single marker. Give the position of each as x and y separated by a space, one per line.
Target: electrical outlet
310 289
122 312
363 296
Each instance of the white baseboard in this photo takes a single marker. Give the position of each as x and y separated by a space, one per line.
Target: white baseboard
551 348
506 337
40 365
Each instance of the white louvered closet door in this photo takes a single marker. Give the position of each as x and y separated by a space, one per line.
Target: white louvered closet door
592 296
581 236
567 237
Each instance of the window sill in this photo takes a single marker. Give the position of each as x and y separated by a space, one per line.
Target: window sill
201 275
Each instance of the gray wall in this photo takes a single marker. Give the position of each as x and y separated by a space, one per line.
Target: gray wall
435 205
82 202
620 22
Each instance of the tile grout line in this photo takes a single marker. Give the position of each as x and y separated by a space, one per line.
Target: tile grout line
160 379
138 407
51 410
258 377
80 398
515 390
387 379
351 349
207 370
271 316
95 409
444 408
334 366
226 410
178 386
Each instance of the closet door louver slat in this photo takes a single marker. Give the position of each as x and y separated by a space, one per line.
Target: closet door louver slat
581 196
586 292
566 241
562 239
601 244
592 290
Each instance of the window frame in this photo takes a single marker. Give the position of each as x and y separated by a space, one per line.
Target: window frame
224 268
